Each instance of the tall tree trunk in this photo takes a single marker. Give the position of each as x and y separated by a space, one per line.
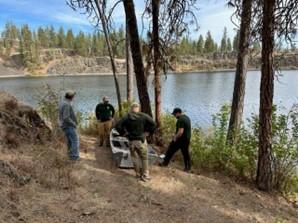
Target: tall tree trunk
241 70
264 172
110 51
137 56
156 65
129 68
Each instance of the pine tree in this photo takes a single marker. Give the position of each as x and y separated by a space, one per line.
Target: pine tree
52 37
10 36
209 43
121 42
236 42
26 48
69 41
61 39
223 45
35 50
229 45
200 45
42 38
80 44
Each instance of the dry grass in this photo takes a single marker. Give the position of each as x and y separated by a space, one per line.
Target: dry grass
93 190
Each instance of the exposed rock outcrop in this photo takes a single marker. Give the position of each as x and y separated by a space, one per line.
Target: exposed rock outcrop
73 65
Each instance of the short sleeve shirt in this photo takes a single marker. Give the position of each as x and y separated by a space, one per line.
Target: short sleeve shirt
184 123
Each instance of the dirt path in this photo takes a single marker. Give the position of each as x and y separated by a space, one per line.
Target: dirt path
175 196
103 193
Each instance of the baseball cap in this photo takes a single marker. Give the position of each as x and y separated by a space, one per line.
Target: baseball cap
70 93
176 110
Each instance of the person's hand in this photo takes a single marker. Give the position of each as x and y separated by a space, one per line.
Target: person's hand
174 138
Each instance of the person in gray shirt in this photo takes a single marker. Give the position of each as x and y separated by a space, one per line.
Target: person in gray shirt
68 122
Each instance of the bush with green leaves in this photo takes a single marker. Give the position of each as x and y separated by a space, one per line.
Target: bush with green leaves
48 102
210 151
88 124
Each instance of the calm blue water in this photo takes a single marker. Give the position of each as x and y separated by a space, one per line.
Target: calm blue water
199 94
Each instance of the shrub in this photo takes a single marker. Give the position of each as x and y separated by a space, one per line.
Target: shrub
210 151
88 125
48 104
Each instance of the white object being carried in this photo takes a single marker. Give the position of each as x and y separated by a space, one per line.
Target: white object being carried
121 153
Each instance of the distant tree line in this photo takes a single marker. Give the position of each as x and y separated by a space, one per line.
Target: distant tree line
29 43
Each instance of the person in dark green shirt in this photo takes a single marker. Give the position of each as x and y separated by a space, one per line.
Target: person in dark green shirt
136 126
104 113
181 140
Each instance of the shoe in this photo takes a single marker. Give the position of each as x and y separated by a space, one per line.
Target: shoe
145 178
187 169
162 164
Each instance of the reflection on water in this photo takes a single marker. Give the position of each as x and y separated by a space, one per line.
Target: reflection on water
200 95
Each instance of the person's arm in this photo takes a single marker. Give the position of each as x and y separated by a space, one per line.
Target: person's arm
120 126
150 125
178 134
97 112
66 115
180 126
113 110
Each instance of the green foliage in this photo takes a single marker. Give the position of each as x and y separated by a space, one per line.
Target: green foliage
209 43
229 45
236 42
48 102
200 45
88 125
168 127
223 45
209 149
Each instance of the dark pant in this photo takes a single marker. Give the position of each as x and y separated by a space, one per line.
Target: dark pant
174 147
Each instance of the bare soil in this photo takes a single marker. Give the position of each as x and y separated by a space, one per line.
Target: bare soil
93 190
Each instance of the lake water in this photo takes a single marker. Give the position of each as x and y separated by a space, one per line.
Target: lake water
199 94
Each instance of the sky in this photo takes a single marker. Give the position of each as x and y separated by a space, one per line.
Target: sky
212 15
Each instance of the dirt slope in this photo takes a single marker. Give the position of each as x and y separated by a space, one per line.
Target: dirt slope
102 193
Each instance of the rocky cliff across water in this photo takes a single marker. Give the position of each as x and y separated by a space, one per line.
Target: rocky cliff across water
59 61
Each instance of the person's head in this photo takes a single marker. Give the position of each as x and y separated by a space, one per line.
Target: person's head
105 99
177 112
135 107
69 95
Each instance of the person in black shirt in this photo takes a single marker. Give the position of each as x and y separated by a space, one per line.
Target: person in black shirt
104 113
181 140
136 126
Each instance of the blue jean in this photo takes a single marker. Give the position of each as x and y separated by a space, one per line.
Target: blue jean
72 142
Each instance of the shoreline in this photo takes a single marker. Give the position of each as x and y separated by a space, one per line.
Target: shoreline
122 73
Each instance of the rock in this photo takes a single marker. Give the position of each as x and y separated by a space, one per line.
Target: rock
78 64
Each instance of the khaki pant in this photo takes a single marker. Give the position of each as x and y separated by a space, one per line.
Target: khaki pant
139 155
104 129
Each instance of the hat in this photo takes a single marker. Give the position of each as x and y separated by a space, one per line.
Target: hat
70 93
176 110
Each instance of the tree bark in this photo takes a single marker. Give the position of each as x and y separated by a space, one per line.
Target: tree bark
111 54
241 71
156 65
137 56
264 171
129 68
